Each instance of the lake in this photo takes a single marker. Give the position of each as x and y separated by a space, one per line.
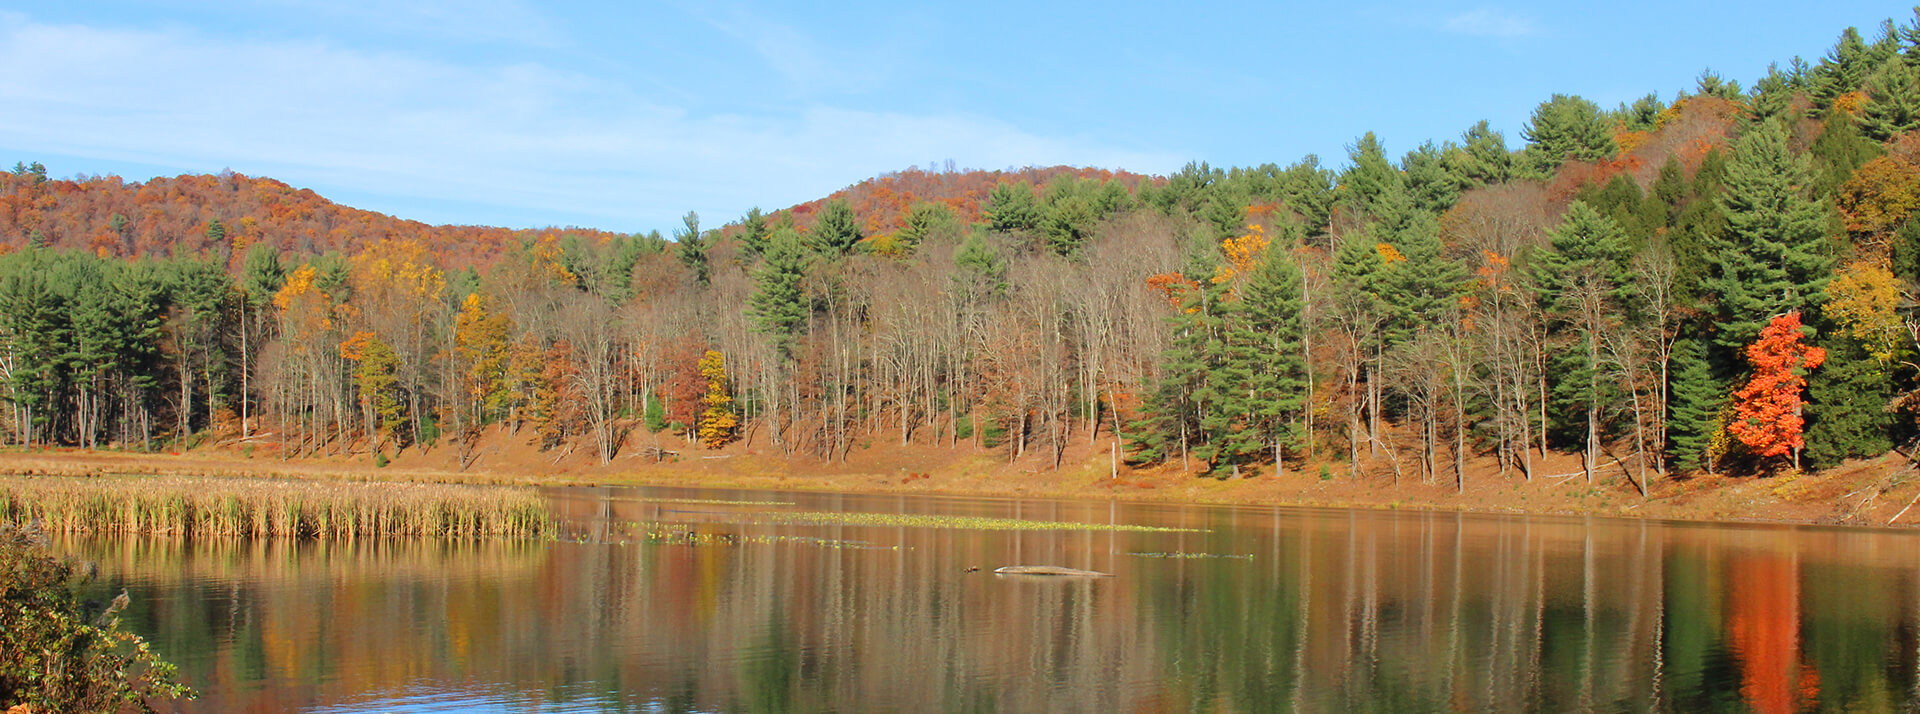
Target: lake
704 600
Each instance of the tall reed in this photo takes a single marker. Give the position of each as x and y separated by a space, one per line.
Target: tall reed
270 507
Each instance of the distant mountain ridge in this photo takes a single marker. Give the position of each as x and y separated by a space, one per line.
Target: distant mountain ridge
223 214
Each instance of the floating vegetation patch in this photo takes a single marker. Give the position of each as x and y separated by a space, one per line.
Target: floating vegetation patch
206 506
1193 556
822 542
660 534
698 501
664 534
979 523
716 501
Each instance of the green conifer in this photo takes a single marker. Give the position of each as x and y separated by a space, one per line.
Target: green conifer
1772 257
1566 127
778 305
1693 409
1894 102
1846 405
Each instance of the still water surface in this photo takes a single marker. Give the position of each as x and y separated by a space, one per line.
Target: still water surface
1240 609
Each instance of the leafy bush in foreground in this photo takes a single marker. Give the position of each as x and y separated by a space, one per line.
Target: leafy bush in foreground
54 657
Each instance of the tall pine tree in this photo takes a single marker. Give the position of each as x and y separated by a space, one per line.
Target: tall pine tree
1772 257
1894 102
1693 415
1271 323
837 232
1583 282
778 305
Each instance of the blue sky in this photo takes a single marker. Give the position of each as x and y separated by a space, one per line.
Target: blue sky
626 115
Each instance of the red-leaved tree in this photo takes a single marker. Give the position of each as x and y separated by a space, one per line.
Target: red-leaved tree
1767 410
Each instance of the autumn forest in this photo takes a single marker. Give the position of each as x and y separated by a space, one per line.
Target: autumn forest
1721 282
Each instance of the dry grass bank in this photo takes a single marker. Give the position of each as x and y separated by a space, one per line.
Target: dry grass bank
1872 493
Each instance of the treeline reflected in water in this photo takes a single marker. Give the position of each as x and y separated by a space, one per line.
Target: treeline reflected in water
1314 610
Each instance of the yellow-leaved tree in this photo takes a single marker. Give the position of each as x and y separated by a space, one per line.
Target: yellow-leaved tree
718 423
1864 298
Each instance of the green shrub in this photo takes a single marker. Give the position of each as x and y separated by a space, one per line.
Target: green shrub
56 656
655 413
429 430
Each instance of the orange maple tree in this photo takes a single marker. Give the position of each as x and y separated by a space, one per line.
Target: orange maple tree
1767 411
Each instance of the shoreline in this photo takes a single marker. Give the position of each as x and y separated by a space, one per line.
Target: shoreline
1864 494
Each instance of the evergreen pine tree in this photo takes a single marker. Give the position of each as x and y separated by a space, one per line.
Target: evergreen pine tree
1422 282
1067 224
1226 215
778 305
1840 150
1483 160
1771 96
1846 405
1772 257
262 274
1670 188
925 220
654 414
1906 251
981 272
1621 200
1308 190
1565 127
1223 393
1370 177
837 232
1433 186
1696 222
615 271
1894 102
1644 113
37 320
753 232
693 248
1271 325
1584 283
1693 411
1711 84
1011 208
1843 70
1178 407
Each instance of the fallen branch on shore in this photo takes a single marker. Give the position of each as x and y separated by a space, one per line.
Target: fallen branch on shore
658 453
1572 474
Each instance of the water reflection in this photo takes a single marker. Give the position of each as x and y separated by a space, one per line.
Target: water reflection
1322 610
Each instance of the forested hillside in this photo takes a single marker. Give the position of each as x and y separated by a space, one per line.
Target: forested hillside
216 217
1723 282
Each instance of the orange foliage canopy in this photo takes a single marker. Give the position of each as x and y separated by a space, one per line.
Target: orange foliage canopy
1767 410
1174 285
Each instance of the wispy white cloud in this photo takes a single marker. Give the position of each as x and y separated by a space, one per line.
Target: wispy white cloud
809 66
565 146
1486 22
